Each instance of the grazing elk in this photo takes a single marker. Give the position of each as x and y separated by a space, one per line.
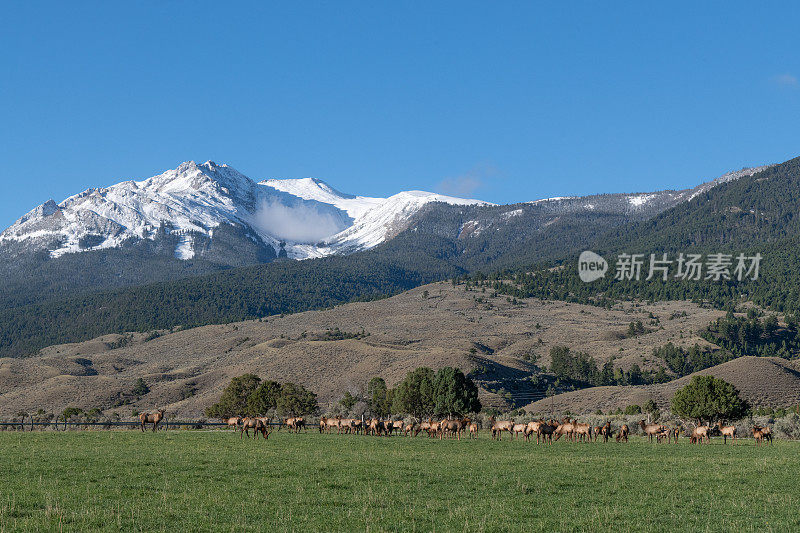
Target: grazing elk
499 426
424 426
546 430
151 418
622 434
652 430
258 425
727 431
473 430
566 427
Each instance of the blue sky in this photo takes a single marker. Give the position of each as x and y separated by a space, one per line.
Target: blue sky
509 102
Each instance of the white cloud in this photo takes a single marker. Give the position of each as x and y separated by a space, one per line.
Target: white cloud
786 80
299 223
465 185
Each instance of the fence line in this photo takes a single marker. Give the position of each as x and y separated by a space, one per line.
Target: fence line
165 424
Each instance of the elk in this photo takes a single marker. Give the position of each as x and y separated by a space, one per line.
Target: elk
652 430
668 434
516 429
582 432
258 425
499 426
473 430
567 427
233 421
622 434
151 418
424 426
546 430
596 432
727 431
700 433
531 428
453 427
762 434
295 423
606 431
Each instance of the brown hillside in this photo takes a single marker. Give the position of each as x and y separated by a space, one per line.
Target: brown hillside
762 381
186 370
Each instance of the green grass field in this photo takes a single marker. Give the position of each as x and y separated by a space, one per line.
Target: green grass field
204 480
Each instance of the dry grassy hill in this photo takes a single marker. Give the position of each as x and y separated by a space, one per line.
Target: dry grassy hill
434 325
762 381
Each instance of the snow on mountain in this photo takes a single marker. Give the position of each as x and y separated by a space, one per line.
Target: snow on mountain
386 220
304 217
194 199
725 178
318 190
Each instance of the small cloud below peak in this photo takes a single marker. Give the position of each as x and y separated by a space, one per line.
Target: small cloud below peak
465 185
786 80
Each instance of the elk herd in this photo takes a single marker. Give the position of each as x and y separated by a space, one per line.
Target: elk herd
545 431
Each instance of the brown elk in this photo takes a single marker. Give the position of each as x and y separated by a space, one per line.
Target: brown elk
295 423
473 430
668 434
762 434
546 430
454 428
699 433
606 431
424 426
531 428
375 427
499 426
258 425
409 428
652 430
518 429
566 427
151 418
622 434
582 432
727 431
233 422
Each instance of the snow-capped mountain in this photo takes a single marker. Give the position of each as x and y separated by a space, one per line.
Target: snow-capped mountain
303 217
200 219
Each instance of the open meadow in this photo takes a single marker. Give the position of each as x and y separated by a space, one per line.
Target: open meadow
185 480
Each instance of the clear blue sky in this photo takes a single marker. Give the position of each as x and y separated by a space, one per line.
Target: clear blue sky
504 102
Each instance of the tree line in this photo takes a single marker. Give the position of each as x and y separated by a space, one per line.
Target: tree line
422 393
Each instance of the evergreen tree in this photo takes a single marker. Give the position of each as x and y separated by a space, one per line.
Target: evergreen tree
456 394
264 398
233 401
708 398
415 395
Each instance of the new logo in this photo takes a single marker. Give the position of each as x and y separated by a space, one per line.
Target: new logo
591 266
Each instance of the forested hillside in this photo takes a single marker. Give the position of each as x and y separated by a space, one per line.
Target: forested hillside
754 215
